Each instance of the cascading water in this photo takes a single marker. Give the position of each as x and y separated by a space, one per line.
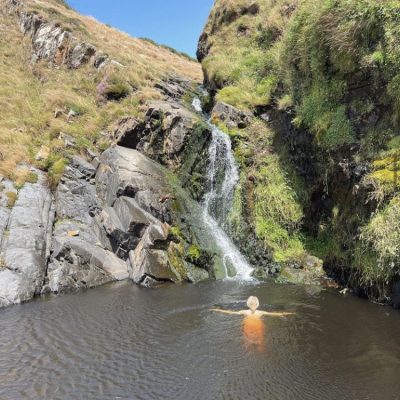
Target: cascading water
222 178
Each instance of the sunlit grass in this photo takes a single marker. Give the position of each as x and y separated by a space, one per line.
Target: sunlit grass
35 100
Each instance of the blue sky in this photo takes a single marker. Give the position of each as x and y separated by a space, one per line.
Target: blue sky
176 23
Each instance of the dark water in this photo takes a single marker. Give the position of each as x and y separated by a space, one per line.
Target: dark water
124 342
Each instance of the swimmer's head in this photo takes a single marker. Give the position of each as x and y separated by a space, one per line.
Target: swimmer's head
253 303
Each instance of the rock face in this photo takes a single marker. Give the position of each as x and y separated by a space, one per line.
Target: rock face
78 259
175 87
116 217
203 47
174 137
137 217
25 244
51 42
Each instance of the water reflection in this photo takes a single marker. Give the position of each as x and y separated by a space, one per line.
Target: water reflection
124 341
254 330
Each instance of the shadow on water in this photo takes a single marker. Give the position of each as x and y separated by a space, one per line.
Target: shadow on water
122 341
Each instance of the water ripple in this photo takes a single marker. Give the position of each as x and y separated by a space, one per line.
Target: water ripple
124 342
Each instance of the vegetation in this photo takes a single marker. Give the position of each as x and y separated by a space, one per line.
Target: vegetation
36 99
306 56
332 68
378 254
275 198
11 199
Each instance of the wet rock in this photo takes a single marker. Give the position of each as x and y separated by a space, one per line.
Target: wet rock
309 271
230 116
24 247
173 136
137 214
196 274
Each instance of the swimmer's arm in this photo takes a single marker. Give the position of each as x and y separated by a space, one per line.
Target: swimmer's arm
224 311
276 314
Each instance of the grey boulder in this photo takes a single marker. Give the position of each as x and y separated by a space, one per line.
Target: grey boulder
25 246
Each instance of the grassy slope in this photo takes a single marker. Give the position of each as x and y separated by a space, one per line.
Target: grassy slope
333 68
30 94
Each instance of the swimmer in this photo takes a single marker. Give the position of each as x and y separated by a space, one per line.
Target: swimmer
253 303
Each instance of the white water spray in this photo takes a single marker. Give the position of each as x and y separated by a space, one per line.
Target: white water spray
222 178
197 104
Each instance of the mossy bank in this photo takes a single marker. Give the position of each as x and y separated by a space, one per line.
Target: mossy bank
319 160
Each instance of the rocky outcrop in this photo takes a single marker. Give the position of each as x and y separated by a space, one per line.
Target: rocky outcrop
25 243
111 219
173 136
52 42
175 87
163 134
139 211
78 259
203 47
232 117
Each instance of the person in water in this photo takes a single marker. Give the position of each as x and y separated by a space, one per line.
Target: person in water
253 326
253 304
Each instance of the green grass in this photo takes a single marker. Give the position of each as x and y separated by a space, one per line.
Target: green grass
273 202
333 66
377 255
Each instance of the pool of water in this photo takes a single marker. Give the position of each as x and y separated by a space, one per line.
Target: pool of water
124 342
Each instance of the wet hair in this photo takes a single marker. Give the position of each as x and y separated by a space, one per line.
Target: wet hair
253 301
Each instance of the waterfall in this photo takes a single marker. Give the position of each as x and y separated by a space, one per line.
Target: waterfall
222 178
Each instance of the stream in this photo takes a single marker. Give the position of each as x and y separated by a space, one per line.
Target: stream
121 341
